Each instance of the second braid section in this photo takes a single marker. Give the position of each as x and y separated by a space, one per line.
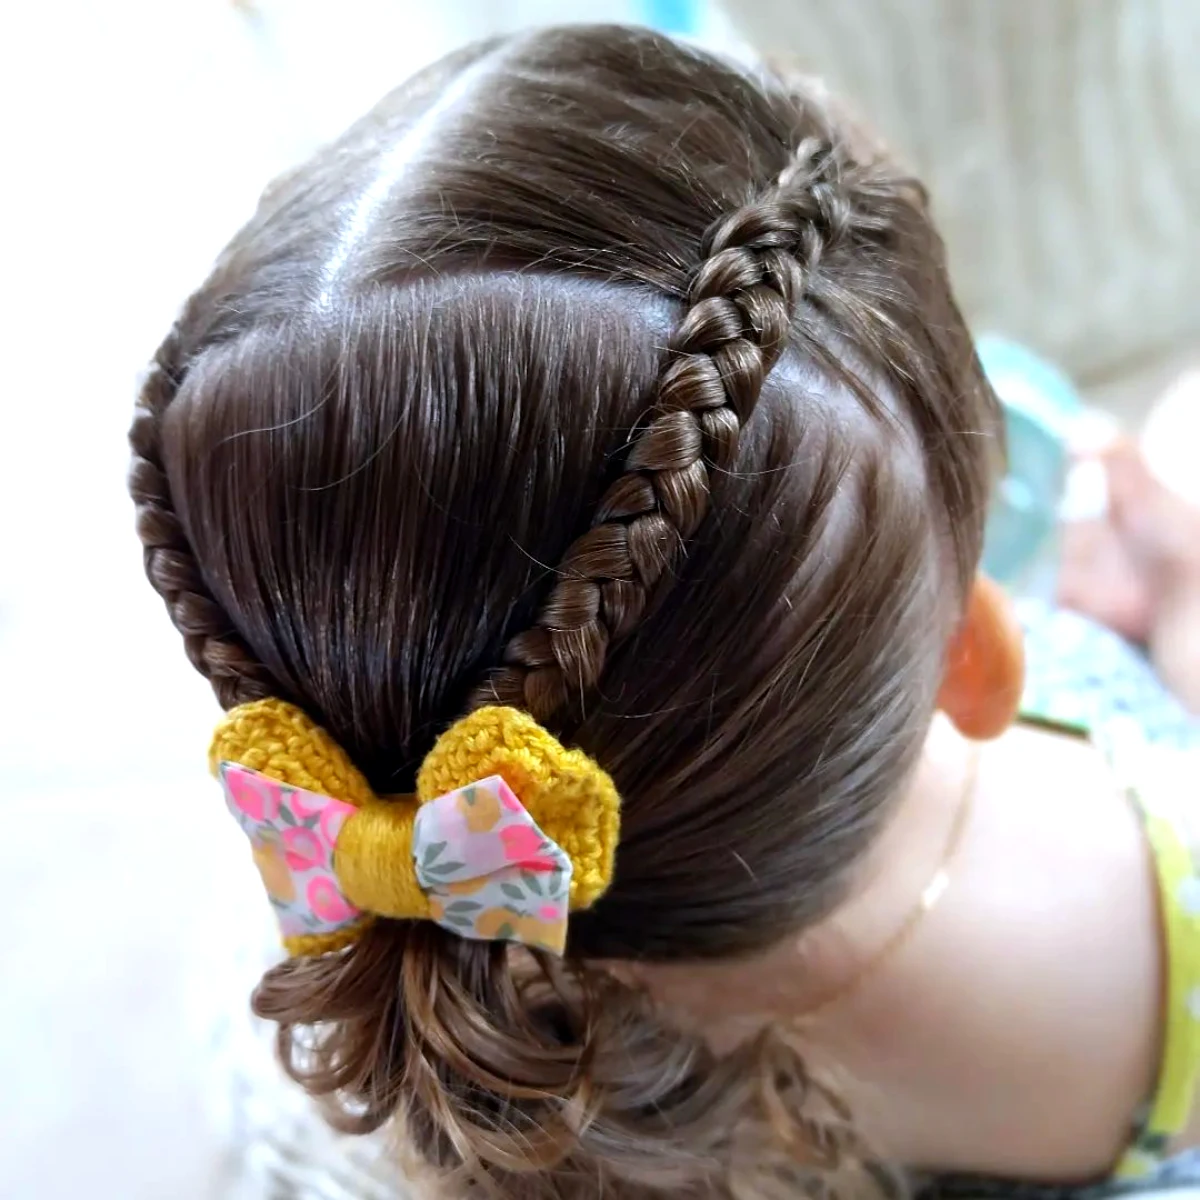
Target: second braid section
755 269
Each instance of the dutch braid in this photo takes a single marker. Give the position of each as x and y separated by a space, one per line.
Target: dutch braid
212 644
754 270
755 267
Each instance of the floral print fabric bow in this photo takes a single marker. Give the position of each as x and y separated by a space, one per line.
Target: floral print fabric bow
507 831
489 870
490 873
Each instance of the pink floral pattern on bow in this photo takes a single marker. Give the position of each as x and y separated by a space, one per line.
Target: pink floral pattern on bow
489 871
292 836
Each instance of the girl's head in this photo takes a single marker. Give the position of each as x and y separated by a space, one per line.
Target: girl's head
593 375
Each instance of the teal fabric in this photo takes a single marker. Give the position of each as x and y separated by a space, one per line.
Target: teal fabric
1081 676
1040 407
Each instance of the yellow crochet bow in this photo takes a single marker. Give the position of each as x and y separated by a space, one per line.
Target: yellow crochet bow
508 830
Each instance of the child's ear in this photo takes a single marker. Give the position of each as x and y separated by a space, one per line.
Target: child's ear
985 665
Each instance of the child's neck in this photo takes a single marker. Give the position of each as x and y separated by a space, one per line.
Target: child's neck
1016 1030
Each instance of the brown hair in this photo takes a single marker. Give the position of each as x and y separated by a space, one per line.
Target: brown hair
594 375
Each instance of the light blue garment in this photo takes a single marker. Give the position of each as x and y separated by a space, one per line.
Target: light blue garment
672 16
1083 676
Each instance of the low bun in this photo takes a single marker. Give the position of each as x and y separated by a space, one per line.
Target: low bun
529 1078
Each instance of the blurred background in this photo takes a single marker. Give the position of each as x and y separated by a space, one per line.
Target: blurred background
1058 139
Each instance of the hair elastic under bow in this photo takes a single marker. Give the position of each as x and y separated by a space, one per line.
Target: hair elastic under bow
509 830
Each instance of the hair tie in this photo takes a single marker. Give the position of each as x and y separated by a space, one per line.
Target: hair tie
509 830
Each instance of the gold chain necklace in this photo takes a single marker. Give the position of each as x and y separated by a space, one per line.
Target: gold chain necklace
931 894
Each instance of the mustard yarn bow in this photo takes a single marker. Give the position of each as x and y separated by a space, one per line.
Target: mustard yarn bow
509 830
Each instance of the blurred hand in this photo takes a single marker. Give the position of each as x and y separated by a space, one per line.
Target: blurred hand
1137 569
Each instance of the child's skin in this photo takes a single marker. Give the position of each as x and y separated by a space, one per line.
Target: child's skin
1017 1031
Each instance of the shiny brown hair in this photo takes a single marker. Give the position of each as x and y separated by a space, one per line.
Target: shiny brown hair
590 374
